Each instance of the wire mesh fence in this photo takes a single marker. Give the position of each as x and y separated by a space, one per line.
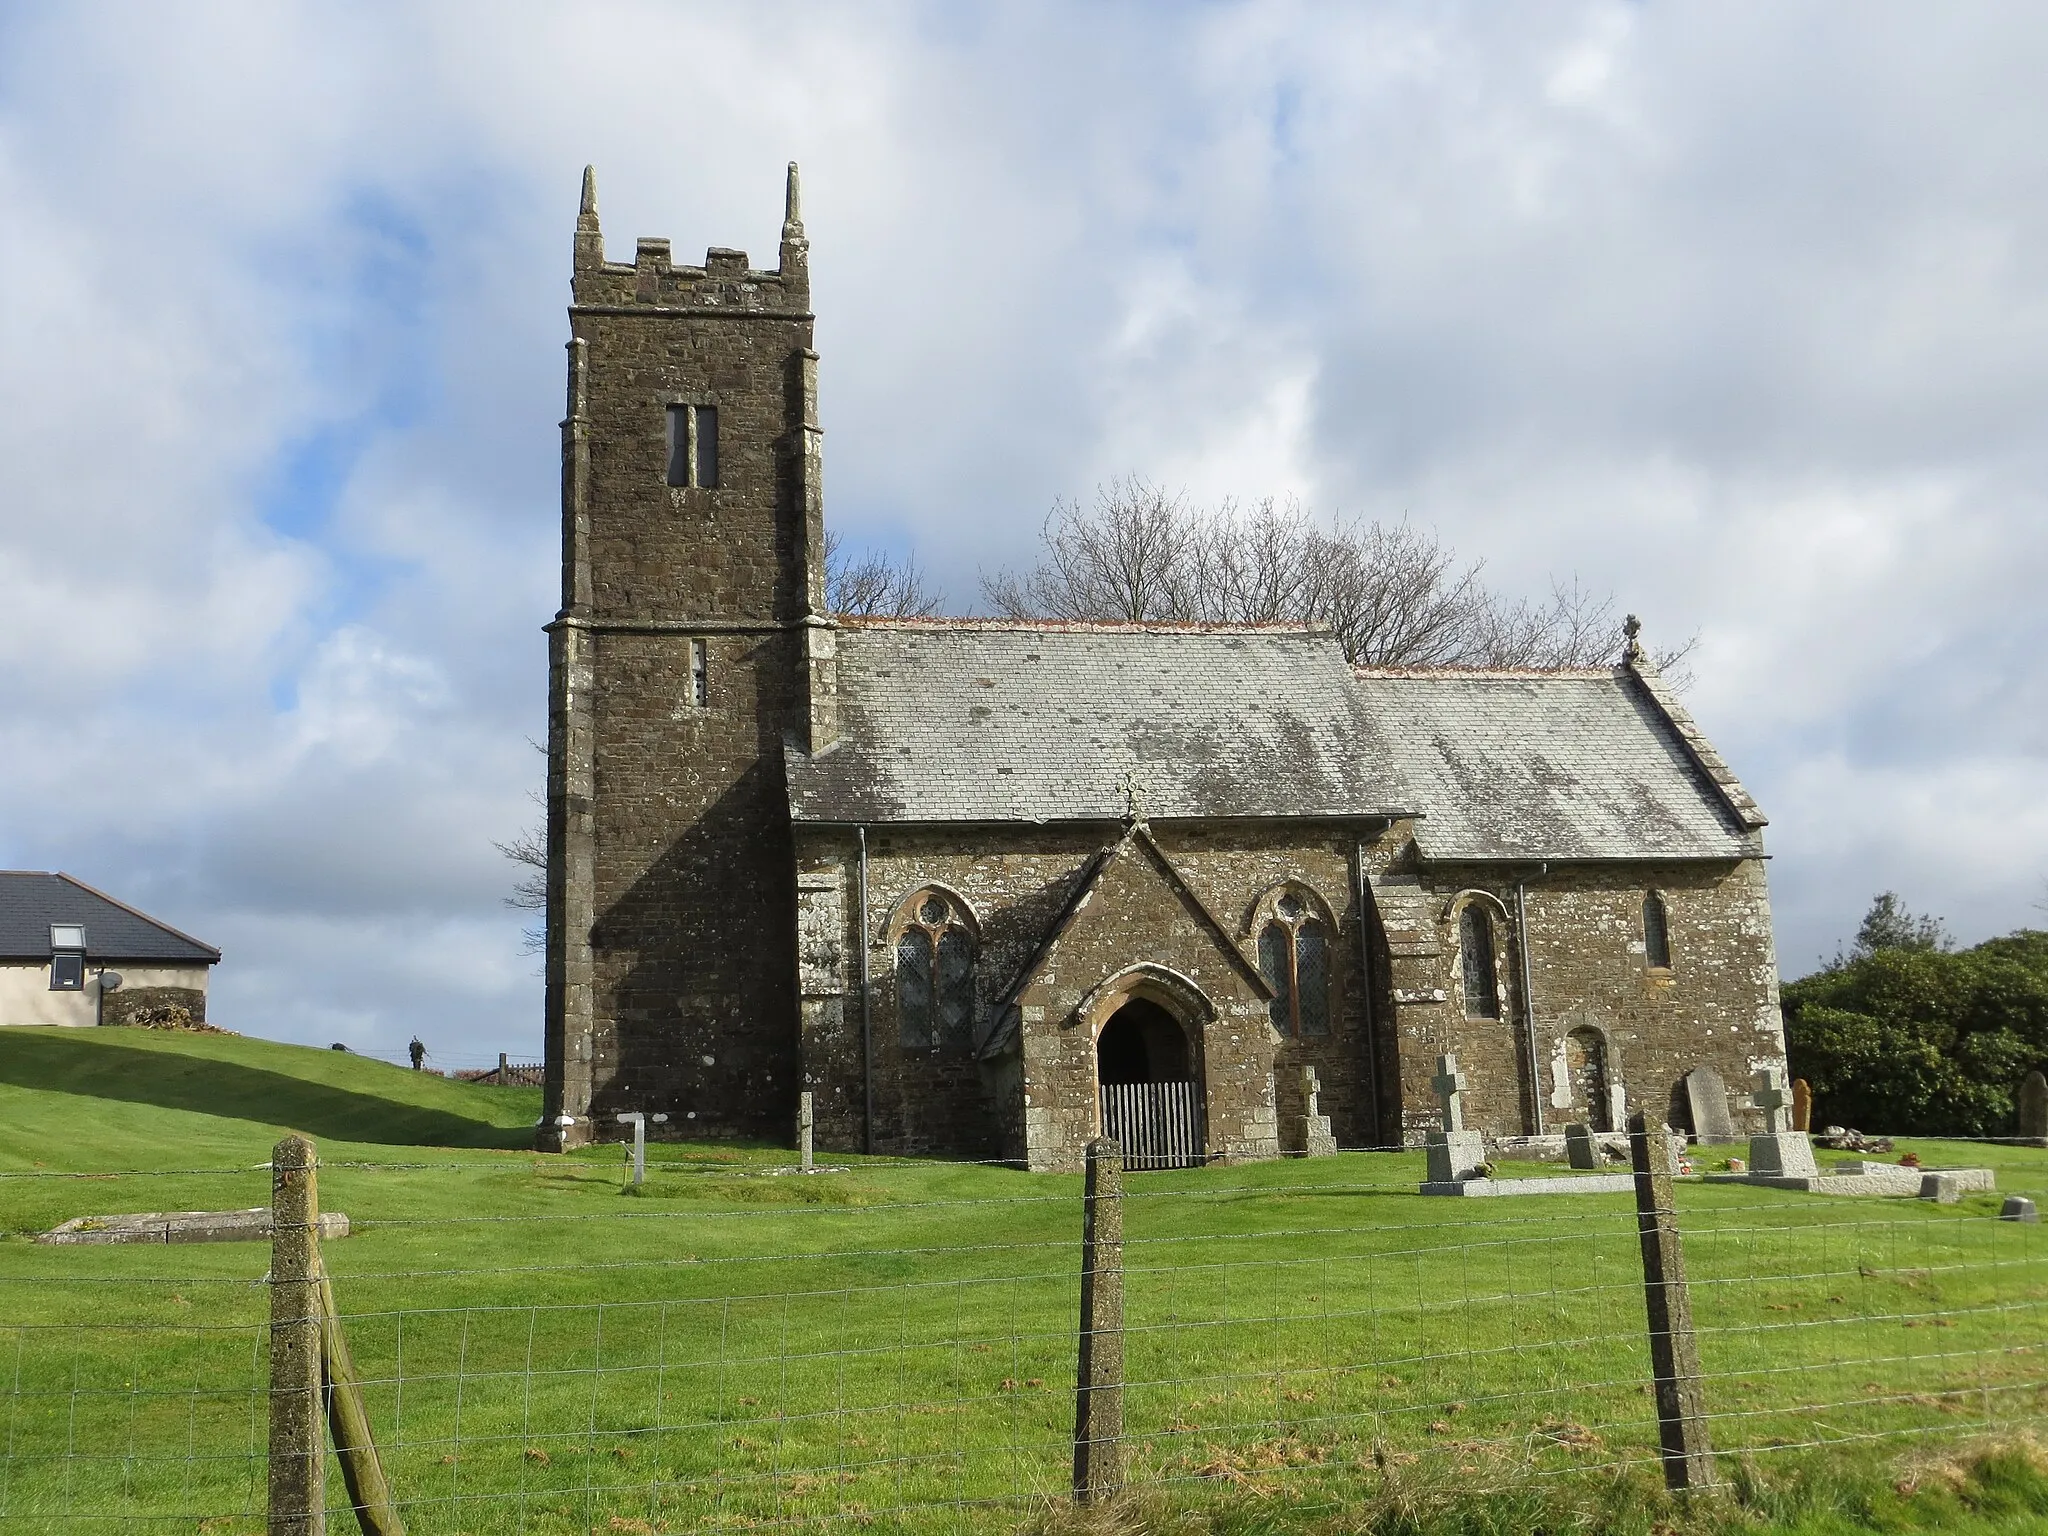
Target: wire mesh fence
895 1347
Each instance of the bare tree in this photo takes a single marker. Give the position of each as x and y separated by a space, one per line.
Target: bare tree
1391 594
872 586
529 850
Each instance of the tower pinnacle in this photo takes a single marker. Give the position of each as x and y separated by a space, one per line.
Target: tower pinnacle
589 239
796 250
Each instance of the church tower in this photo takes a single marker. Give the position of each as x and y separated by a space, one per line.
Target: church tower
691 645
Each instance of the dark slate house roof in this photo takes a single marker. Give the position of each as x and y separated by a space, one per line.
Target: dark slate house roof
992 721
1557 765
31 900
973 721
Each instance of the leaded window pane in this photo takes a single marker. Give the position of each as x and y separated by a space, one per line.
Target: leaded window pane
1475 936
1656 932
1312 974
956 987
1273 946
914 990
932 911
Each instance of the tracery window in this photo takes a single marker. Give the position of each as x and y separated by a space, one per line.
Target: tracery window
1294 957
1476 952
1656 933
935 977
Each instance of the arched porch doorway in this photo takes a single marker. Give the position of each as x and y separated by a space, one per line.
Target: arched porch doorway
1150 1100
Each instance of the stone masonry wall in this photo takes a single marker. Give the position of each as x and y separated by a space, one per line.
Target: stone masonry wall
1016 881
1716 1005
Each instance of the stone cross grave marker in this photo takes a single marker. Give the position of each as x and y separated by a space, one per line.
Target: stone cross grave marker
1778 1152
1317 1139
1708 1096
1450 1086
2033 1106
1770 1097
1454 1153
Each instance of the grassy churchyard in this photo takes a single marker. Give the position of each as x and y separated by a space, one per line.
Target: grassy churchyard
889 1345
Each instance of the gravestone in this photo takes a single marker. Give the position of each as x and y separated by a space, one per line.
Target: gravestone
1802 1105
1316 1138
1779 1152
1708 1096
2033 1108
1579 1148
1454 1152
2018 1208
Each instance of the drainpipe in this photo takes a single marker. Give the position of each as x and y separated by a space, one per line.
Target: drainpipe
867 1034
1529 998
1372 1044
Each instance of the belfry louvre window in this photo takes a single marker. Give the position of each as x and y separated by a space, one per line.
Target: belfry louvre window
1475 949
693 446
1656 933
1294 957
935 978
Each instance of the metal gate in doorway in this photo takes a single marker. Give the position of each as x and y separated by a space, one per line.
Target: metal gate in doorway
1159 1125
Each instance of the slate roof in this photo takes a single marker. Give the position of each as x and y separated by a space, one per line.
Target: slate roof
987 721
1557 765
31 900
992 721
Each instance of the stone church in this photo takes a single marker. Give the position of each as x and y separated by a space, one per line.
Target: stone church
986 888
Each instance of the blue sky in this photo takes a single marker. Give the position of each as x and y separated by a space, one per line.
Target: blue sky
1739 311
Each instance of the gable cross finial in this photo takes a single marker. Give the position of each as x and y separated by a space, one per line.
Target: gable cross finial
1134 798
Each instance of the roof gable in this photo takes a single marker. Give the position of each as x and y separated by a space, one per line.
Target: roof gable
1135 855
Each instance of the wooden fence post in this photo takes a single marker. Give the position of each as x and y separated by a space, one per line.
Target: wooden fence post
298 1442
369 1491
1099 1383
1674 1350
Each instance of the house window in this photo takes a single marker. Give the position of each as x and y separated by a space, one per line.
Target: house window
935 978
1294 957
700 673
1656 933
693 446
1475 949
67 972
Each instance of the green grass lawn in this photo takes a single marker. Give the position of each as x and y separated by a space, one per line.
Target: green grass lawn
1311 1345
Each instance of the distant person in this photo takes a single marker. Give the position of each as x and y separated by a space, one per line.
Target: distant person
418 1053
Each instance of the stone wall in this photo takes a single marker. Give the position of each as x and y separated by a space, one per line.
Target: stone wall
1016 882
1717 1003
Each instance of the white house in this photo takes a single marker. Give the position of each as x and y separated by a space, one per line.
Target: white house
72 955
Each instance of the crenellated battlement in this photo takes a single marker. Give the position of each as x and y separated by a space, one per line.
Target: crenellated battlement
652 281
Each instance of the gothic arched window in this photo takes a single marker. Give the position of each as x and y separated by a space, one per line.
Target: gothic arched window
1656 933
1294 957
1475 950
935 977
